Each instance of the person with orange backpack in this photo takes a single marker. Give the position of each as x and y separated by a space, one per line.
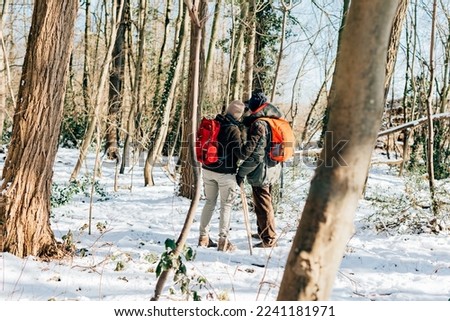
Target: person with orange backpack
219 147
262 168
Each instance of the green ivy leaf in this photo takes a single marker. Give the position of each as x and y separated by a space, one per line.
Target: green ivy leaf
182 269
158 269
195 296
170 244
189 254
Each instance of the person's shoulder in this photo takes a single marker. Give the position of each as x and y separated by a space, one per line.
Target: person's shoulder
259 122
220 118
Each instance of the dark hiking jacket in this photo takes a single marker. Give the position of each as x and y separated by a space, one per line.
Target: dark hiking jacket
232 148
258 168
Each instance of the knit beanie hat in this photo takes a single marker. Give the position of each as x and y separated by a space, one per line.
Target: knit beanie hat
236 109
258 98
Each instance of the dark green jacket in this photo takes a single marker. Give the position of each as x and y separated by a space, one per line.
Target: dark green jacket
256 167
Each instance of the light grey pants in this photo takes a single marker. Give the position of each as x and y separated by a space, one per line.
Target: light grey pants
216 184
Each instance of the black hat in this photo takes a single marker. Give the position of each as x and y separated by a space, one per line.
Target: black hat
258 98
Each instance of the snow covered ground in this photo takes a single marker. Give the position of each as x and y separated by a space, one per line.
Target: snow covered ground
117 261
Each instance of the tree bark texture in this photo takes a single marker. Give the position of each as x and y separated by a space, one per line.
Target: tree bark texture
188 172
98 108
206 85
194 75
116 80
236 84
28 171
356 107
250 51
394 43
133 127
166 103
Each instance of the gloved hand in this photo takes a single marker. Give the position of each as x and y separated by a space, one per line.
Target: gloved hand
239 180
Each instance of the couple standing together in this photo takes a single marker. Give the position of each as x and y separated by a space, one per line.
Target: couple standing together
249 145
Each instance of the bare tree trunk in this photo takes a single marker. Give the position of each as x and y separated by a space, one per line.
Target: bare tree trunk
250 52
134 116
196 32
211 47
445 90
6 79
159 71
98 106
356 107
430 151
319 101
232 53
86 64
239 55
346 6
188 186
3 77
166 104
28 171
116 79
405 101
394 43
285 8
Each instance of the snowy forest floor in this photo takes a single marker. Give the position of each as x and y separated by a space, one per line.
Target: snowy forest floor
398 251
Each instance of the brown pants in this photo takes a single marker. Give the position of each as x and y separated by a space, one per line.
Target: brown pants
262 199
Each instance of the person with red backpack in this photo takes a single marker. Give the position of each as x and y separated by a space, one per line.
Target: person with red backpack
219 148
259 168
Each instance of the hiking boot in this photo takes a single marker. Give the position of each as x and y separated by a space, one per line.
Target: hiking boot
225 245
256 236
266 243
205 241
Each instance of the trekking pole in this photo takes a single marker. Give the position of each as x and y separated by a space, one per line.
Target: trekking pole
281 181
246 217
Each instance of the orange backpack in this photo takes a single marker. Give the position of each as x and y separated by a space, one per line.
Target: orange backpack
282 139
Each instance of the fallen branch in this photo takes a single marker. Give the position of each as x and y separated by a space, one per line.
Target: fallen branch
413 123
397 161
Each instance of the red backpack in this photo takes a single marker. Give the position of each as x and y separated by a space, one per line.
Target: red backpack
206 144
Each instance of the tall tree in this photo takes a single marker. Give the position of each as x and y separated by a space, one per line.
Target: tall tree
159 70
250 50
326 115
166 103
135 113
87 91
285 8
236 85
430 144
268 26
188 177
197 12
394 43
5 83
116 80
211 48
356 107
27 175
98 107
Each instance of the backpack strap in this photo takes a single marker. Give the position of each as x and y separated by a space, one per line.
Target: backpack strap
260 108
